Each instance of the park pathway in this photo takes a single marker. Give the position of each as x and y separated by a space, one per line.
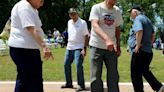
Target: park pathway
8 86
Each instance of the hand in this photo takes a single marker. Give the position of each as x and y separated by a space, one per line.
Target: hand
83 52
110 45
47 53
118 51
136 50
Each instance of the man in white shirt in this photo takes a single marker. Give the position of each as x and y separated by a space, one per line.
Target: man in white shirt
76 49
105 18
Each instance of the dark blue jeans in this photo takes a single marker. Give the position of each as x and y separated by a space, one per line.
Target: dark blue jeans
97 58
70 55
29 69
140 67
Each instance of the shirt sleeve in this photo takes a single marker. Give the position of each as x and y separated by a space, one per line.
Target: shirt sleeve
85 32
94 13
26 17
119 19
137 26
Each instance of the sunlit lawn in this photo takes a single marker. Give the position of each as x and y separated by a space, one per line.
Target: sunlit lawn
53 69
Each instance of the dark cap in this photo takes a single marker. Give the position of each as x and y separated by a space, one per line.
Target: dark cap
72 10
137 7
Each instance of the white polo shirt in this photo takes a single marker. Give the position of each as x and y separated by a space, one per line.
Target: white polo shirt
108 19
76 34
24 15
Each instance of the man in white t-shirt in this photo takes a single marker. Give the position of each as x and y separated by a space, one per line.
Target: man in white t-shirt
76 49
25 41
104 41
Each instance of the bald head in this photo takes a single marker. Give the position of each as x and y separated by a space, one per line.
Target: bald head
36 3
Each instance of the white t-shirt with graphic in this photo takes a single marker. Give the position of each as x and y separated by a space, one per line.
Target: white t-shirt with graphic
76 34
108 19
24 15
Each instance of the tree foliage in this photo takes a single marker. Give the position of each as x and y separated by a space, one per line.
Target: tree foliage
54 13
5 8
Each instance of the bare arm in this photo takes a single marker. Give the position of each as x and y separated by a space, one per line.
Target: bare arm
86 41
152 38
109 43
117 33
138 40
35 34
99 31
85 46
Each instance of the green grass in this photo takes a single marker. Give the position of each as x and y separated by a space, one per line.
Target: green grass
53 69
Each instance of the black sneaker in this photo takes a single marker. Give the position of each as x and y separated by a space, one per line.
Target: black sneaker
67 86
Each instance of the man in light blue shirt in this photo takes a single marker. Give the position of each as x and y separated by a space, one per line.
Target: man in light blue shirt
142 51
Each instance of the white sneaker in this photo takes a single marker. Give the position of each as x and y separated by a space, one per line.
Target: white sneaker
161 89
